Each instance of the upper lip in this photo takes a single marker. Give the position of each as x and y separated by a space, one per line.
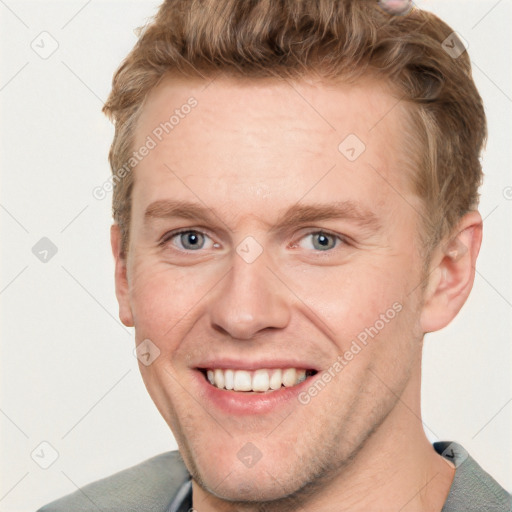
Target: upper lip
238 364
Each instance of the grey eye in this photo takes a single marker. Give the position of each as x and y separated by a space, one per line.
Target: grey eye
191 239
323 241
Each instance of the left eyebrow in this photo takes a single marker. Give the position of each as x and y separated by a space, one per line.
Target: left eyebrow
338 210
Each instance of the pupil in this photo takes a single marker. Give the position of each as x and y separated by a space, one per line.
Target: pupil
323 240
191 239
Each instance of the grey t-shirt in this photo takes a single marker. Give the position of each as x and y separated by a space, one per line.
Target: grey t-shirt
162 484
472 488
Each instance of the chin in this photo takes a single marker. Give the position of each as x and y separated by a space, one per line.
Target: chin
230 479
247 486
260 488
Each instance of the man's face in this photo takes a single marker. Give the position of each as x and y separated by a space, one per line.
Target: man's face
253 287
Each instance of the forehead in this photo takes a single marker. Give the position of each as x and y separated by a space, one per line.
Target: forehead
229 137
324 107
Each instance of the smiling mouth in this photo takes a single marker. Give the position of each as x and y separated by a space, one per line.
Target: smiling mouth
259 381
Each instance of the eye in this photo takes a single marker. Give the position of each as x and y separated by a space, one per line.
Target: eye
194 240
322 240
188 240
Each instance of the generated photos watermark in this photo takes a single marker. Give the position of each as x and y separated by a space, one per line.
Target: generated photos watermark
151 142
356 346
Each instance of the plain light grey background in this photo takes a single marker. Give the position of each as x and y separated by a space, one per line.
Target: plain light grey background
69 378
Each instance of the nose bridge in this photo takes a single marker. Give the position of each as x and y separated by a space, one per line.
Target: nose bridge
251 298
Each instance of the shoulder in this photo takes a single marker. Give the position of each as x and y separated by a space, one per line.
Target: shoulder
473 489
148 486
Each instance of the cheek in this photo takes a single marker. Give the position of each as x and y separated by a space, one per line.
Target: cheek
162 297
349 299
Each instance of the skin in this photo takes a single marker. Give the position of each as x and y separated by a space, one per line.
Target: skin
396 7
249 150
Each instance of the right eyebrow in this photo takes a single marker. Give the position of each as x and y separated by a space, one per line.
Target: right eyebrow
164 209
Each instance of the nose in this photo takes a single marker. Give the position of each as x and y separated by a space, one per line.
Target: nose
250 299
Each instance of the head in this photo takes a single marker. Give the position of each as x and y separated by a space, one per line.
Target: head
312 205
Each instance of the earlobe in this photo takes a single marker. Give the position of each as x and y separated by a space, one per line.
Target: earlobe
121 278
451 279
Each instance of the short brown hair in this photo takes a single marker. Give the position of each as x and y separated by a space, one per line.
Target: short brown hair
333 38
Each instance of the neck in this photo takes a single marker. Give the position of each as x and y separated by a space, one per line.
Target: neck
397 469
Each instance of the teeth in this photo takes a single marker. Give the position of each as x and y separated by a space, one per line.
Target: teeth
242 381
219 378
276 379
229 380
259 380
289 377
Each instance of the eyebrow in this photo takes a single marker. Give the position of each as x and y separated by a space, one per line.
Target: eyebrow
293 216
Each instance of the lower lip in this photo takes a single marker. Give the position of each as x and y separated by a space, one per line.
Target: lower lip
246 402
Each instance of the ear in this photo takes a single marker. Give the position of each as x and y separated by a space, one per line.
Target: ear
121 279
452 274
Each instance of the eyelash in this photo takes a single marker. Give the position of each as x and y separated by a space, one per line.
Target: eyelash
169 236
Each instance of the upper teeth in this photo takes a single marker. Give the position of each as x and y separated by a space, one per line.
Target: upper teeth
257 380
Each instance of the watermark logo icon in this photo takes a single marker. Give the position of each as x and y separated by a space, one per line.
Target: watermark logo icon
249 249
249 455
44 250
455 45
45 45
44 455
146 352
352 147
